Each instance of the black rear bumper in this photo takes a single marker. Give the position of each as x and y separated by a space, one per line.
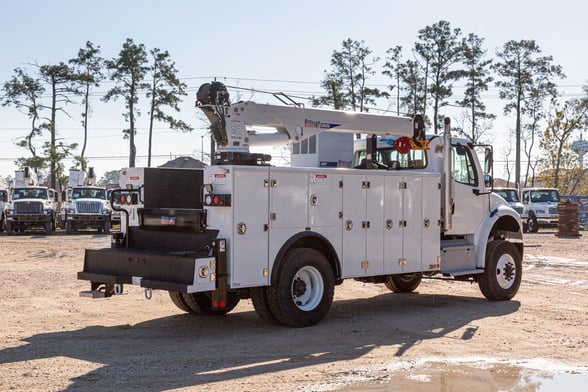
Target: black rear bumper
181 272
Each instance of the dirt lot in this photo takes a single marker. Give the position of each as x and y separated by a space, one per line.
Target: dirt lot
51 339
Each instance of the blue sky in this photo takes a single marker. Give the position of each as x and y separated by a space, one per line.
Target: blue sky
264 45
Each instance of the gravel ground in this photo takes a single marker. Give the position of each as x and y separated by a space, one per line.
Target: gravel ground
53 340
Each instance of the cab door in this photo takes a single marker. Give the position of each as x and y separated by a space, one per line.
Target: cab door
469 203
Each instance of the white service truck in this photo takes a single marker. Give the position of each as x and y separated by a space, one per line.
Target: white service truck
284 237
541 208
30 205
85 205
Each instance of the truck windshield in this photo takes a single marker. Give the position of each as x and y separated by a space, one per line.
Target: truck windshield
545 195
88 193
414 159
510 195
29 193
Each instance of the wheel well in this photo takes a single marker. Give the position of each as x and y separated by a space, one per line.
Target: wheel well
505 228
311 240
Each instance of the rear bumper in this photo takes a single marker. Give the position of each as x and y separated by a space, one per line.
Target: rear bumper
161 271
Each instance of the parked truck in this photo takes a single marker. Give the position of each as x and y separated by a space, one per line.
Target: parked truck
541 208
284 237
30 205
85 204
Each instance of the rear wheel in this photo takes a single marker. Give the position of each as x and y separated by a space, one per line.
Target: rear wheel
178 300
261 304
201 303
502 276
404 283
303 291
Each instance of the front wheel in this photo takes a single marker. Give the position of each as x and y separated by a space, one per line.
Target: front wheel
48 227
502 276
405 283
303 291
532 225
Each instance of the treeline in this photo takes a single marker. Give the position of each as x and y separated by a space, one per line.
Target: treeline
421 80
136 73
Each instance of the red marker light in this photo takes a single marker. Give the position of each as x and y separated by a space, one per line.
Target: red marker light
216 200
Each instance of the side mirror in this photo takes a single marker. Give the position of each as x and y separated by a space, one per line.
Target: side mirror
488 181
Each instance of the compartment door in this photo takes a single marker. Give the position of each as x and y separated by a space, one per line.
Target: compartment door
249 255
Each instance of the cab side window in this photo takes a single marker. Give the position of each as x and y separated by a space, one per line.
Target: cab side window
462 167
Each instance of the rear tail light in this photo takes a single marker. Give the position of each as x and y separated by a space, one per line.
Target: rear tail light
212 200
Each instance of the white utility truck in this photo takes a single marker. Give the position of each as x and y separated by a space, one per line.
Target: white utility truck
286 236
541 208
30 205
85 205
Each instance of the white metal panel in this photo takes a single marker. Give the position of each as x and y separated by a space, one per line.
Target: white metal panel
325 199
431 239
413 217
354 236
393 214
288 198
249 251
375 225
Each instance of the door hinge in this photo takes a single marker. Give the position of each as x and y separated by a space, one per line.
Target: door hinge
365 184
365 224
402 185
273 216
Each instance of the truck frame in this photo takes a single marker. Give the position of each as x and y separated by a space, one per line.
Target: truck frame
284 237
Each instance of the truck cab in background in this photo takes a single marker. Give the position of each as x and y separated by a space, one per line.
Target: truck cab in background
85 204
540 208
511 196
30 205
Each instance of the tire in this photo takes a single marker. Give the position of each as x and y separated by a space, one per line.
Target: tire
261 304
502 277
303 291
9 228
201 303
532 225
48 227
106 227
405 283
68 227
178 300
